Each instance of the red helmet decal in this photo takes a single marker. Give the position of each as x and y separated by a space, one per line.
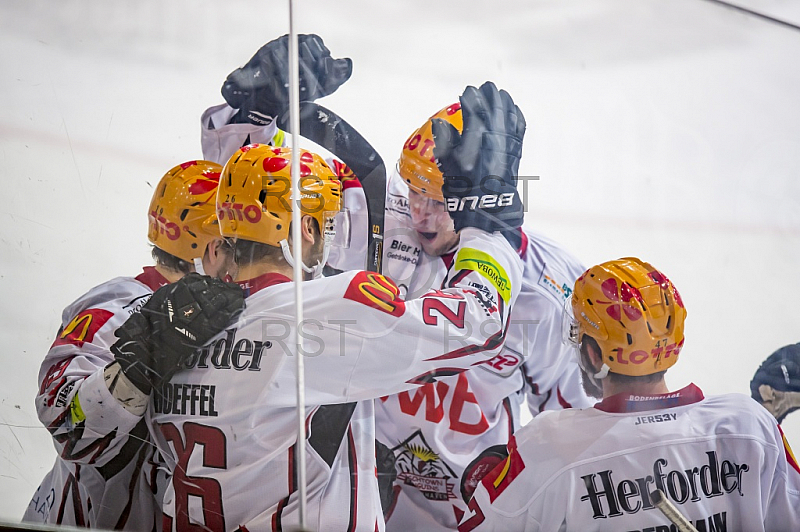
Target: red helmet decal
617 295
274 164
204 186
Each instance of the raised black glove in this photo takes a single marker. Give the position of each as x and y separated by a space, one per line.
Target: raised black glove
260 88
480 164
176 320
776 383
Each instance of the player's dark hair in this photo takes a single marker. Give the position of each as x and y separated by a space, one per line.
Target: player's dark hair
246 252
170 261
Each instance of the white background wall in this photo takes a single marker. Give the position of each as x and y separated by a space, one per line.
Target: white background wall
666 130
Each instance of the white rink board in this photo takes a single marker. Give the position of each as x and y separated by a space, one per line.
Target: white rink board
665 130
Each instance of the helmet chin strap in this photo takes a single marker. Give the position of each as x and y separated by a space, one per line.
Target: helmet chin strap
594 377
316 270
198 265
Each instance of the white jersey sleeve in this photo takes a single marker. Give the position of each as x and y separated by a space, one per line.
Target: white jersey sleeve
101 476
220 140
594 469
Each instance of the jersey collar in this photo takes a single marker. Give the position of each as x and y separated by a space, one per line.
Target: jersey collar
625 402
251 286
151 278
523 246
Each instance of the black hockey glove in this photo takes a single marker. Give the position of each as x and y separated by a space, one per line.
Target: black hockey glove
260 89
176 320
776 383
480 165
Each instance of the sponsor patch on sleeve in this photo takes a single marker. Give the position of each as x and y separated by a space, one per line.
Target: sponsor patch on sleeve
83 327
498 479
556 283
487 266
376 291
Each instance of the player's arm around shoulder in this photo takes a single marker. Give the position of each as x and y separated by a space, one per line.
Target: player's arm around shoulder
73 401
379 343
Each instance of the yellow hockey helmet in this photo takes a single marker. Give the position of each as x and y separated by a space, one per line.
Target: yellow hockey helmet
254 197
635 314
417 165
182 212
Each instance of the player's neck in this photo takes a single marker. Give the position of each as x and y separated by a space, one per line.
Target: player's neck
257 269
644 388
169 274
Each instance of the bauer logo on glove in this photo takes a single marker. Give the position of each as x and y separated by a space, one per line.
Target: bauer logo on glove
487 201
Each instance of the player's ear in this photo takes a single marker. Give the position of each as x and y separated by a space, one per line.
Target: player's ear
593 355
216 247
310 233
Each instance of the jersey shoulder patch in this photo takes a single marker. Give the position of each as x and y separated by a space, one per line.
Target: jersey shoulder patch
487 266
83 327
503 364
555 283
376 291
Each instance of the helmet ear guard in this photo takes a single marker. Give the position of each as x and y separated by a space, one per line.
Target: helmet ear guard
634 313
182 213
417 165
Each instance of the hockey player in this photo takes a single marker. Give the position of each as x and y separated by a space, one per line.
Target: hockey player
722 461
230 420
446 436
776 383
86 487
443 437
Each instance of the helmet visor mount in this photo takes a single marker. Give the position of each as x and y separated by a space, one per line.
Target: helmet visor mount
340 231
570 328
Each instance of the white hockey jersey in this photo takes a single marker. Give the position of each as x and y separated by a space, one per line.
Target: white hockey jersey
102 477
229 421
722 461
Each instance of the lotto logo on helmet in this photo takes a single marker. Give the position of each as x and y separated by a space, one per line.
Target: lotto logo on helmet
486 201
238 211
164 227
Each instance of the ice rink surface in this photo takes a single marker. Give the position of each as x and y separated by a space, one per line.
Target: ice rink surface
668 130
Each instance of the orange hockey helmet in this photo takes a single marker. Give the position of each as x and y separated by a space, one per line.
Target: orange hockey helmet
182 212
635 314
254 197
417 165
